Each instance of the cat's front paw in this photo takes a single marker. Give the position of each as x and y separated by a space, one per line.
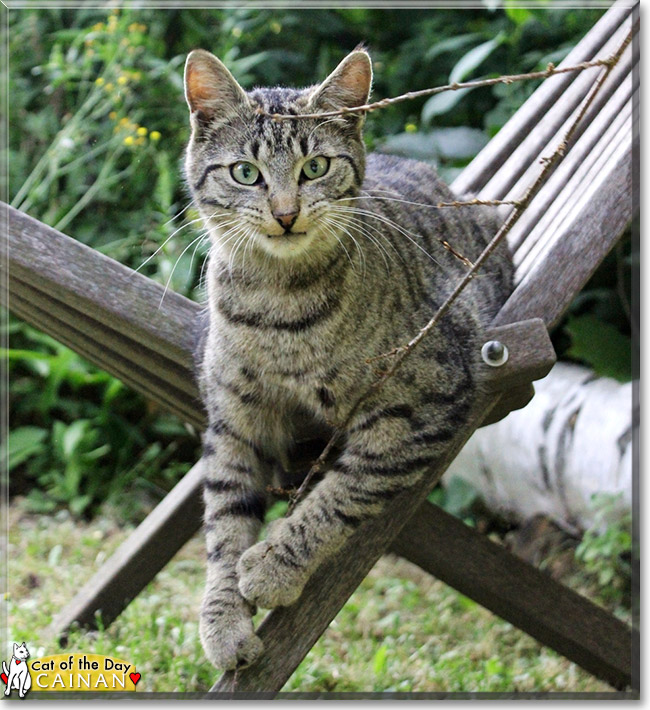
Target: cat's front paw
267 580
229 641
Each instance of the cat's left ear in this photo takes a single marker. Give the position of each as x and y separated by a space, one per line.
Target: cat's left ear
347 86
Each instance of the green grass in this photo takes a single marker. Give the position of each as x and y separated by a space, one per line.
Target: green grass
401 631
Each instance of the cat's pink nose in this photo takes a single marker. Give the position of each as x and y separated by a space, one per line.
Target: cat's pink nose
286 220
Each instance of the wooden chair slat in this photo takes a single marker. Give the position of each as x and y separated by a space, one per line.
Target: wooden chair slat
522 166
599 217
585 151
529 117
138 559
514 590
614 140
91 283
137 374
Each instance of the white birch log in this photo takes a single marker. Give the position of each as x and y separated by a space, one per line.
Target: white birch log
574 439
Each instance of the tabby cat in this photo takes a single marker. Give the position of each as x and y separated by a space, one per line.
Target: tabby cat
321 258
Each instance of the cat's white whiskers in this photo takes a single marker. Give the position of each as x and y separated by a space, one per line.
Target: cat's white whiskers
341 226
169 278
389 222
200 243
393 199
178 214
333 232
171 236
321 124
346 221
362 256
364 225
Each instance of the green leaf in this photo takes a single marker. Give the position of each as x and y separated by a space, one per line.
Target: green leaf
600 345
441 103
380 659
474 58
519 15
73 436
79 504
444 102
23 443
457 143
460 496
450 44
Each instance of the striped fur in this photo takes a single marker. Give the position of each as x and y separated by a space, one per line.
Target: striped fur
294 313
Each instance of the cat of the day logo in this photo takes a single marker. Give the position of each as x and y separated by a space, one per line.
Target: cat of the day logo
67 672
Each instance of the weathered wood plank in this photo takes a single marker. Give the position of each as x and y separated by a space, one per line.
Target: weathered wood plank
599 215
185 405
289 632
529 118
595 146
616 140
110 293
136 562
511 588
522 166
530 355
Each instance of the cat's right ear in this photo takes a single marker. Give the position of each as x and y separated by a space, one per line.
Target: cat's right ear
211 91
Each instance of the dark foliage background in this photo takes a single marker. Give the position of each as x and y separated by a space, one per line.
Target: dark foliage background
98 125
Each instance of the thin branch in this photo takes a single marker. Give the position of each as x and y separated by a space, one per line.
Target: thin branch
551 70
477 201
401 353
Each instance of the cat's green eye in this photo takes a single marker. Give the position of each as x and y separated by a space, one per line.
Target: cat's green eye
316 167
245 173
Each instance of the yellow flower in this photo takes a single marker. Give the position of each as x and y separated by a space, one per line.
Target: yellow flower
142 131
112 115
124 121
129 140
98 27
141 141
155 135
410 128
133 27
109 86
122 80
100 81
276 27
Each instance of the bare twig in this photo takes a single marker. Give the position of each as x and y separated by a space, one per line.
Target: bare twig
477 201
551 70
458 255
402 352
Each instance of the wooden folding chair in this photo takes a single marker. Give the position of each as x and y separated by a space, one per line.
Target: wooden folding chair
112 316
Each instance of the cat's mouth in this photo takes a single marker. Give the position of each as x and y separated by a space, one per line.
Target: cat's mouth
287 245
286 234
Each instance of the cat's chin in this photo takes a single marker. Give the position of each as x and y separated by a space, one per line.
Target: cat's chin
290 246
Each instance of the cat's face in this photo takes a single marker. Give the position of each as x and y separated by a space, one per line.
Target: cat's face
274 185
20 651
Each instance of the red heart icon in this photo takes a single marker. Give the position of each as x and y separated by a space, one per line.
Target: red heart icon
5 680
135 677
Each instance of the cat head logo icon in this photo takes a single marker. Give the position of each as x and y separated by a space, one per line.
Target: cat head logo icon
17 676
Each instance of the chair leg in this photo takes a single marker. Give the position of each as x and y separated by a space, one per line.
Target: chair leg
519 593
289 633
136 562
